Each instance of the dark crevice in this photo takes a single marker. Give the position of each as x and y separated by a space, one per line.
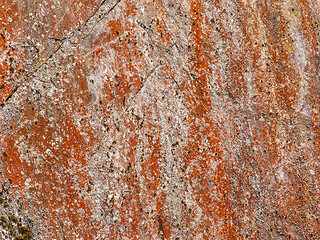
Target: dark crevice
63 40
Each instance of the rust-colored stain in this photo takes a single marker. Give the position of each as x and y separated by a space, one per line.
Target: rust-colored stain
188 119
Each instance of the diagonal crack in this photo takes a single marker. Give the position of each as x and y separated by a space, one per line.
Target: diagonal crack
99 11
143 84
131 102
10 95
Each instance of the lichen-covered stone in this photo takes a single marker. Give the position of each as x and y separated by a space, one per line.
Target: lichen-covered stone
188 119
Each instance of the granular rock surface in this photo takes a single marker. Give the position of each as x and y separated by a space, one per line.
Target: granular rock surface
159 119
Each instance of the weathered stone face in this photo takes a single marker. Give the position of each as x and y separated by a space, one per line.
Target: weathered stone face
189 119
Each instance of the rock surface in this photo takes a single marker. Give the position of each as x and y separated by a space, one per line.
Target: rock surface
188 119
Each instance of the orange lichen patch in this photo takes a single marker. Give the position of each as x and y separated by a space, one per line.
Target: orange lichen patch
219 209
54 154
114 29
10 158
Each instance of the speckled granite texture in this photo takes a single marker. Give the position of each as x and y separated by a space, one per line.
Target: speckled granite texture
149 119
